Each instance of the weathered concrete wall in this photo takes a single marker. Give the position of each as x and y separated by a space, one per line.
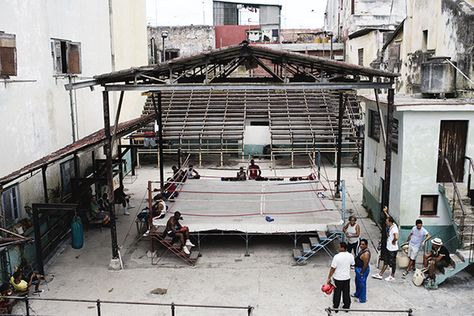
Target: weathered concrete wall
130 48
448 23
374 166
371 43
367 13
36 116
190 40
414 167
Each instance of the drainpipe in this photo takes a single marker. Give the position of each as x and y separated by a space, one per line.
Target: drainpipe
71 105
112 50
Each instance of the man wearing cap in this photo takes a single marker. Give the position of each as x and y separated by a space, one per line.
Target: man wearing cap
437 259
175 230
340 272
417 238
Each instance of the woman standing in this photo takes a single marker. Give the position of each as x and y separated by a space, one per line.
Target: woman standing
352 231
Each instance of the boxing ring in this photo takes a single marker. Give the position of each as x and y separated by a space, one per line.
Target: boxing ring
249 208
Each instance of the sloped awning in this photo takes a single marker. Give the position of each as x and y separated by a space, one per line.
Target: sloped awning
90 141
214 68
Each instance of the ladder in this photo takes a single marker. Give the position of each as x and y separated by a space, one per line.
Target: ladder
167 242
317 243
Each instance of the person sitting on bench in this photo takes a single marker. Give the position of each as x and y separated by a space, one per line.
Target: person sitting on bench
253 171
159 206
176 231
437 259
97 212
241 175
170 190
192 173
21 287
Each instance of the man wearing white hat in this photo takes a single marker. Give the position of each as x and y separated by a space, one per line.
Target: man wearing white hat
437 259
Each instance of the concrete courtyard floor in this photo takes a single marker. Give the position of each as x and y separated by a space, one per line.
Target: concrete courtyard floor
268 279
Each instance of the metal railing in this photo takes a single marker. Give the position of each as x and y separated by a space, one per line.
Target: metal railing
330 310
469 235
98 303
457 195
469 176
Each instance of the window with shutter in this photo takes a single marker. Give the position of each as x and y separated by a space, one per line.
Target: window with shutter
7 55
74 58
66 56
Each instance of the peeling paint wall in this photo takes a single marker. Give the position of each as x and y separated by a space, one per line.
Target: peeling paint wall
367 13
130 49
35 117
371 44
190 40
448 26
414 167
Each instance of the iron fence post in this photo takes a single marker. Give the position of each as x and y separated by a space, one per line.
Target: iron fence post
27 305
173 309
249 310
410 312
98 307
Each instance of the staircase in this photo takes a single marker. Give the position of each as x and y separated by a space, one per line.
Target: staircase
461 209
167 242
317 243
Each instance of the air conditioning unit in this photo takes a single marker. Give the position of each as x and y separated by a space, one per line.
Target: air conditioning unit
438 78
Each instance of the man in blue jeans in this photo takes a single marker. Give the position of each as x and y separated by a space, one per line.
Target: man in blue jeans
362 270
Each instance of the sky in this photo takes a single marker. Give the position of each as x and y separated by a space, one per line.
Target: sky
295 13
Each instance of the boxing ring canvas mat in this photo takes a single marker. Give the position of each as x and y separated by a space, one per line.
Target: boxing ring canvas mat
244 206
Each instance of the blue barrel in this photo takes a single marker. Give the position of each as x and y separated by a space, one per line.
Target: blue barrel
77 233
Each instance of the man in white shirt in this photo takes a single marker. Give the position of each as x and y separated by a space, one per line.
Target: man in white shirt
392 250
417 238
340 272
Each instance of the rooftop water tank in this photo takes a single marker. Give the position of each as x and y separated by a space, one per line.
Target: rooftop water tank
438 78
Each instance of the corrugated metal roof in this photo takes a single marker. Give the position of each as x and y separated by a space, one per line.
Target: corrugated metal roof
89 141
161 72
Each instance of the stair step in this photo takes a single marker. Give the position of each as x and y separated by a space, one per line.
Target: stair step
297 254
194 255
306 247
322 235
314 241
160 229
463 254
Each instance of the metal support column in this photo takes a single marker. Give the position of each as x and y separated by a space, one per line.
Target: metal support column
388 148
159 121
319 164
45 184
247 254
2 215
37 232
98 307
109 174
339 144
27 306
